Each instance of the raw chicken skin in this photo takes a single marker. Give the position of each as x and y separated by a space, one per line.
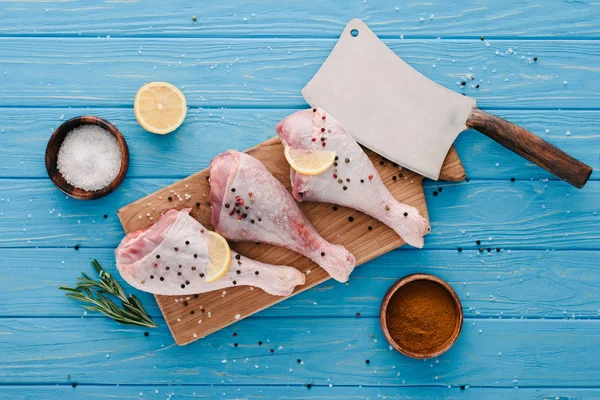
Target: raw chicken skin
352 181
170 258
250 204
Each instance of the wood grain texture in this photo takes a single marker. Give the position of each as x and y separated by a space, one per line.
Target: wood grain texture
311 19
222 308
491 353
531 147
297 392
265 73
208 132
46 68
489 285
516 215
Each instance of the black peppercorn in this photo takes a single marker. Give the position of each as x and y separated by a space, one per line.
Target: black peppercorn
370 228
322 254
478 242
350 219
233 189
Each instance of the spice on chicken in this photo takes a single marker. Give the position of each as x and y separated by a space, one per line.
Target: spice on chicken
422 317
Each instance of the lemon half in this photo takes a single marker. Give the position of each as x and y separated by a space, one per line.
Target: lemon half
160 107
309 163
220 257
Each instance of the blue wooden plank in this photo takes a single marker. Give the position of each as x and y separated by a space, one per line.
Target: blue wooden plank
529 284
215 131
260 18
271 72
526 214
149 391
495 353
521 214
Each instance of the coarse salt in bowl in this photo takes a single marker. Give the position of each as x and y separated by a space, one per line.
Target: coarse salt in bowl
87 157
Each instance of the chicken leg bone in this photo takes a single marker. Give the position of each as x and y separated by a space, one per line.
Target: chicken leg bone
352 181
171 256
250 204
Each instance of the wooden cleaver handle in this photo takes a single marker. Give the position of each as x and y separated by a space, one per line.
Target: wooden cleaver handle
531 147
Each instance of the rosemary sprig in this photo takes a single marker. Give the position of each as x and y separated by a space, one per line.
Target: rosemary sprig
93 292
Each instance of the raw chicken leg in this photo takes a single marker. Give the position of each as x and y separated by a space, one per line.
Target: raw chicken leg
249 204
352 181
171 256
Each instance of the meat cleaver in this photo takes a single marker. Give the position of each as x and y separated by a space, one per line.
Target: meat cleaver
399 113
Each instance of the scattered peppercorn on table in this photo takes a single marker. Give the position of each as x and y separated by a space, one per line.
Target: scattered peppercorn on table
519 247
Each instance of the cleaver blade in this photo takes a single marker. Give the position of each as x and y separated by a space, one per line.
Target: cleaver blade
394 110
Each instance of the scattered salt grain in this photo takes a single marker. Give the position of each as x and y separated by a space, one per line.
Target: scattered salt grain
89 157
237 316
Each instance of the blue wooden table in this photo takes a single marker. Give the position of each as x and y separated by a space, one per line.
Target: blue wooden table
531 297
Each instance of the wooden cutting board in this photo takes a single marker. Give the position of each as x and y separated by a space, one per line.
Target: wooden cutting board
193 317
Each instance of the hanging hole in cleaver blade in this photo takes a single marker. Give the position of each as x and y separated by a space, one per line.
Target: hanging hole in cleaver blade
397 112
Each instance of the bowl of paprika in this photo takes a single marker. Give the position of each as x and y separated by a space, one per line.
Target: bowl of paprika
421 316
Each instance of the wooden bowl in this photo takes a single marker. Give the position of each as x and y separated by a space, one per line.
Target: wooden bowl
384 308
56 141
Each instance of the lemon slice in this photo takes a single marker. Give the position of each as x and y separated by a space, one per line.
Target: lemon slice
220 257
160 107
309 163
